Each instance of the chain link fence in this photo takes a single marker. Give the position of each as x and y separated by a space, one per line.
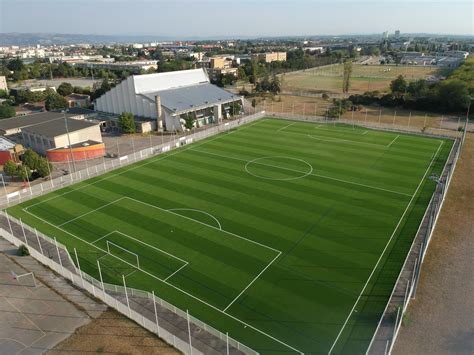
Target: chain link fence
34 190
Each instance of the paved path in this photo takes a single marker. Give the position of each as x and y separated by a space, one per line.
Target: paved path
35 319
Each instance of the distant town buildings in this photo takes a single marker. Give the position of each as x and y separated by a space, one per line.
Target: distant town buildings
133 67
3 83
78 100
397 34
270 57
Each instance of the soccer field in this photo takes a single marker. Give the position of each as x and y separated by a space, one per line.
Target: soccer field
287 235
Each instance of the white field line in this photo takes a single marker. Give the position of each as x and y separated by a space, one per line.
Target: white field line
335 140
94 210
386 246
204 212
176 287
282 128
151 246
388 146
303 172
349 130
365 132
208 225
99 239
178 270
250 284
148 161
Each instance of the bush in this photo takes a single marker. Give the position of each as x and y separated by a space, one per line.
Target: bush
23 250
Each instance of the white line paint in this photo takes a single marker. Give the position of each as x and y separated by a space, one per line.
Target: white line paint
389 145
200 211
304 172
282 128
386 246
250 284
176 287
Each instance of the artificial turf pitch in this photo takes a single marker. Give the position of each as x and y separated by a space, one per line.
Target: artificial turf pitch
287 235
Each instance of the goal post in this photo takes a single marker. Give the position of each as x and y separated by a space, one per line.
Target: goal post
122 253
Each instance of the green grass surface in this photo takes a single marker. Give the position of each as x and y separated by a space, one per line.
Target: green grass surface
288 235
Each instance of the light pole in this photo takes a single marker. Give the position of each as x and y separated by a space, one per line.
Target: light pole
69 143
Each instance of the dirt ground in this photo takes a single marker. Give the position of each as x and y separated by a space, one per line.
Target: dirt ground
112 333
441 318
364 77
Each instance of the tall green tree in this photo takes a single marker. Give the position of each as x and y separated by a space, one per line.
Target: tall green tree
399 86
65 89
346 80
189 120
126 122
43 167
10 168
55 102
30 158
6 111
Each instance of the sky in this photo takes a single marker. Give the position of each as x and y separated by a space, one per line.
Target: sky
212 18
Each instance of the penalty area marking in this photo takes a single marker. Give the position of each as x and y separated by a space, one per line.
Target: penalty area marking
178 288
256 161
200 211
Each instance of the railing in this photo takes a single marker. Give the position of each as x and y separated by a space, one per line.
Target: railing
34 190
407 281
149 310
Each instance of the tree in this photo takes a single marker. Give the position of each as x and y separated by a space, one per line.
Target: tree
30 158
346 81
453 95
398 86
23 172
43 167
188 121
6 111
10 168
55 102
65 89
126 122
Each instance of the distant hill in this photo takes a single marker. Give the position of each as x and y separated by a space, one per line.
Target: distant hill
25 39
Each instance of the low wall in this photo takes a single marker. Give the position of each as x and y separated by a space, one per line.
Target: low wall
78 153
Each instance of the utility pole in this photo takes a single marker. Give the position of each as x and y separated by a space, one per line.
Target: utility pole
69 143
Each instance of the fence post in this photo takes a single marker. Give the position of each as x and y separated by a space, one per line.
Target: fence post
189 332
126 296
24 234
39 243
100 275
59 254
156 313
9 223
79 267
227 341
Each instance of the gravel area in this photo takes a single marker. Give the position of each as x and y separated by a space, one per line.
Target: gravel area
441 318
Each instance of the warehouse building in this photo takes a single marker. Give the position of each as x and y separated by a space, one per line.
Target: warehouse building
60 136
168 97
64 140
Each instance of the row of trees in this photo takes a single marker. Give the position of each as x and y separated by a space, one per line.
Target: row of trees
447 96
33 165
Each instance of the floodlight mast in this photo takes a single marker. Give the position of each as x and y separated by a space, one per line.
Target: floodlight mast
69 143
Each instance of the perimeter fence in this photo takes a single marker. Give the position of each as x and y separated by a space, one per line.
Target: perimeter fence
177 327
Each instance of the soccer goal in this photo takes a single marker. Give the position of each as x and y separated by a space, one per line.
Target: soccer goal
123 254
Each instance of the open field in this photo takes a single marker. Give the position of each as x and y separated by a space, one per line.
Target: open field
287 235
364 77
